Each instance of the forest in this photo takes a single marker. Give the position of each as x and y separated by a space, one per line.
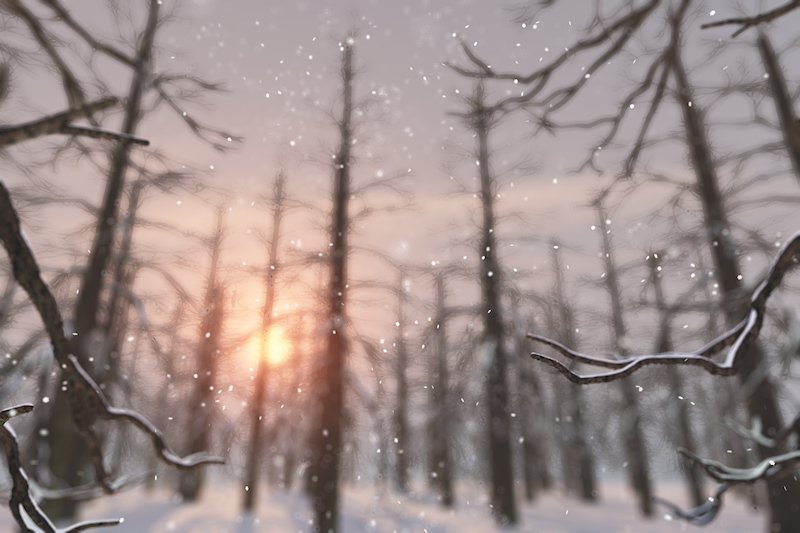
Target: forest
344 265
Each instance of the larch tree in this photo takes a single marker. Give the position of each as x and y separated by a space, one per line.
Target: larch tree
481 118
612 32
326 438
255 445
633 441
201 410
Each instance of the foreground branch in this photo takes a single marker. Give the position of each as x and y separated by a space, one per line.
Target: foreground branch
749 22
60 123
702 514
23 507
87 401
738 339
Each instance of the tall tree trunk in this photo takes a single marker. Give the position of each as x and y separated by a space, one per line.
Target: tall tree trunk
68 457
684 436
201 407
119 305
439 426
532 414
493 345
401 407
326 448
255 447
633 439
581 464
762 401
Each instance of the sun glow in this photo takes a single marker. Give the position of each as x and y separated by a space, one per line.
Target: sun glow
274 345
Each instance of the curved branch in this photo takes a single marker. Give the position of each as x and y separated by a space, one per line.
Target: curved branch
702 514
738 339
86 399
22 500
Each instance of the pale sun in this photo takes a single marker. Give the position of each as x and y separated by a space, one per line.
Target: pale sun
272 344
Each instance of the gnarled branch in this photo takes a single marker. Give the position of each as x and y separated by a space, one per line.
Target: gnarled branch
738 339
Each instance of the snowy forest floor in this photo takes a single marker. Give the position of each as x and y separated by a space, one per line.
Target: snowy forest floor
370 509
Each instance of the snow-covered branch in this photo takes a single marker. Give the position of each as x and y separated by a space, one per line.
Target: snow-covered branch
23 506
738 339
86 399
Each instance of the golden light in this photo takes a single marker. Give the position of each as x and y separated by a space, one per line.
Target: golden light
273 344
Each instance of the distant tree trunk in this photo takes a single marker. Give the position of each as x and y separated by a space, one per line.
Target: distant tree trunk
255 448
684 436
119 305
532 414
326 447
493 346
201 408
762 401
633 439
581 477
68 456
439 425
401 407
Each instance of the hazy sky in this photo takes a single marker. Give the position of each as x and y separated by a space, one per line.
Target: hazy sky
279 62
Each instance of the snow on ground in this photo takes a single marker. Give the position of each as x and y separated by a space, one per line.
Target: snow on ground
375 510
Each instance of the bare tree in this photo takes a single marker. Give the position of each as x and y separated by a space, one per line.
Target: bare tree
577 458
255 447
608 35
440 431
632 436
326 439
85 400
738 341
201 404
481 119
684 437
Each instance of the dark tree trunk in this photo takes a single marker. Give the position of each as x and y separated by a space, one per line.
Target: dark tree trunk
762 401
326 446
201 408
581 475
439 426
255 448
493 345
684 436
401 409
68 457
633 439
532 414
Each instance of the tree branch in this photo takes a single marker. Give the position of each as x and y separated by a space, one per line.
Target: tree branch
748 22
738 339
87 401
23 506
60 123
